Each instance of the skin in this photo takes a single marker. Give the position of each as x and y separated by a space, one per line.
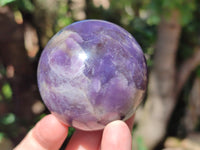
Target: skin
49 134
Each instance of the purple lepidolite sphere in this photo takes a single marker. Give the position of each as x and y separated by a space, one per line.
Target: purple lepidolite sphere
91 73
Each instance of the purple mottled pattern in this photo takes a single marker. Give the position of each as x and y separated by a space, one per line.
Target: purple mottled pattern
91 73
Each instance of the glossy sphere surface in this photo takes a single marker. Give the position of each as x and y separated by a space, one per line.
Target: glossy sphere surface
91 73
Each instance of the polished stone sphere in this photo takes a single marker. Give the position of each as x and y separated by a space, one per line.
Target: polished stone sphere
90 73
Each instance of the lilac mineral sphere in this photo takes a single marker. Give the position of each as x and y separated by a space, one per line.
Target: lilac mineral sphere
91 73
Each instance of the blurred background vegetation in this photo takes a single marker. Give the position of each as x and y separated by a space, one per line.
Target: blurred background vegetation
169 34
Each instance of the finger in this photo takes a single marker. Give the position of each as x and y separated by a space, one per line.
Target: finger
130 122
48 133
84 140
116 135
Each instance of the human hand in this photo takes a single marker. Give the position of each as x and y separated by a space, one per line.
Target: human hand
49 134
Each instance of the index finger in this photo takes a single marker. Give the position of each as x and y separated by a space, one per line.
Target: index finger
48 133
